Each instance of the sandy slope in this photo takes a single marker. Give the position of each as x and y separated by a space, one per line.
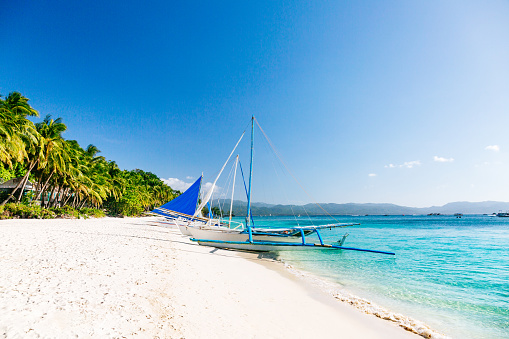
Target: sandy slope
128 277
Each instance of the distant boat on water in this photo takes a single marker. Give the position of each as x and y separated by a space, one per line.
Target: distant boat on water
503 214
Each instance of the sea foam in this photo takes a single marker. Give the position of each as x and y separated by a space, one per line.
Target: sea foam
364 305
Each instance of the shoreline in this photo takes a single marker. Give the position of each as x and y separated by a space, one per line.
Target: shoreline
323 289
365 306
115 277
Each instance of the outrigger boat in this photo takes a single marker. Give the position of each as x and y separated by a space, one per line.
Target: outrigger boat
183 213
221 235
180 211
286 235
177 212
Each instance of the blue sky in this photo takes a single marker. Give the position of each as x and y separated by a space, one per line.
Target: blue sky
403 102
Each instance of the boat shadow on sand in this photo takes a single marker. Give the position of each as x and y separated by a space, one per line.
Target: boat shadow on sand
213 251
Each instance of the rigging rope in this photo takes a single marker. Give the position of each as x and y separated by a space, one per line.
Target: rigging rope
209 194
227 185
245 188
291 173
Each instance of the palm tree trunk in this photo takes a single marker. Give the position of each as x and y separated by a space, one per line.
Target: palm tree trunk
19 185
45 184
25 180
83 204
42 197
48 204
55 198
78 202
62 196
22 190
69 197
59 196
39 182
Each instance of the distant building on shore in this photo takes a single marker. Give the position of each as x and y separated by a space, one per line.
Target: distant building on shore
8 186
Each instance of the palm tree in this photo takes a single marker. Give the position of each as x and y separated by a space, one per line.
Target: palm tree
56 162
18 135
49 148
72 177
68 177
49 141
66 173
15 129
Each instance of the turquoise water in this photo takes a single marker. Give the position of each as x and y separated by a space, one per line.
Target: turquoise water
450 273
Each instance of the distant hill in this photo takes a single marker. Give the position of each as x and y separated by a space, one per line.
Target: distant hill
465 207
470 207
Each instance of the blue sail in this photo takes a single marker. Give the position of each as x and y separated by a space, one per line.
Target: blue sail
184 203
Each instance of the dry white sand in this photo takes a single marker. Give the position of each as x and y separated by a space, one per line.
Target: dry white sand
128 277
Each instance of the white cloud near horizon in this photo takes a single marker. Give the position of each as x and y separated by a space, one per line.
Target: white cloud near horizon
208 185
177 184
181 185
494 148
372 175
408 164
189 178
411 164
442 159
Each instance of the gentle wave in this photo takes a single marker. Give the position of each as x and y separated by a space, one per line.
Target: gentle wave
364 305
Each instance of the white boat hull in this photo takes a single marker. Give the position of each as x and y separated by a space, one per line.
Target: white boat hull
184 229
225 234
276 247
258 247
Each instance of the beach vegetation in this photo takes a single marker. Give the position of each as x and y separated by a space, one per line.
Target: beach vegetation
92 212
66 212
23 211
216 211
62 178
15 210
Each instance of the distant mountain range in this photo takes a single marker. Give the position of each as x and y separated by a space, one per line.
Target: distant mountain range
261 209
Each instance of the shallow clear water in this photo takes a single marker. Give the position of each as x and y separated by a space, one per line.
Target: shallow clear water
451 273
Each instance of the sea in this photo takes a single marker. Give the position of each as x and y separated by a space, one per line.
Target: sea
449 277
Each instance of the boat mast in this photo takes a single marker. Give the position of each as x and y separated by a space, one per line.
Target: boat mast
199 196
248 218
209 194
233 189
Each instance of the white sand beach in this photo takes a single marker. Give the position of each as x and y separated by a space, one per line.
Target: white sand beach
112 277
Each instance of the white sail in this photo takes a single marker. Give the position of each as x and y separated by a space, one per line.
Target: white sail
209 193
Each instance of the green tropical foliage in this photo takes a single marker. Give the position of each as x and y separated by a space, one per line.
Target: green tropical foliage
14 210
67 178
216 211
